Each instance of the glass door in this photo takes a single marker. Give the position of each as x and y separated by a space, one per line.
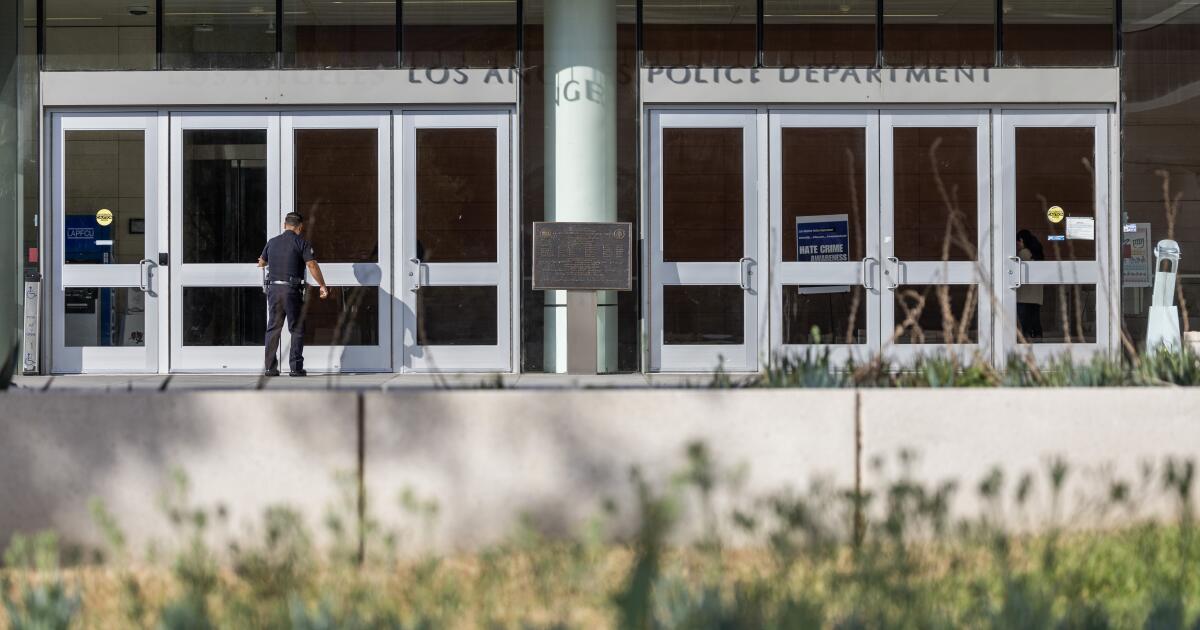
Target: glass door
935 218
105 222
455 260
1056 241
224 203
337 175
706 293
825 233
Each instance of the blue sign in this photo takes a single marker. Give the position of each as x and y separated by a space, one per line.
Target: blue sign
86 241
823 238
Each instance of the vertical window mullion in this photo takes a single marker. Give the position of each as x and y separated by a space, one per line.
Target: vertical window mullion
159 7
520 61
759 22
40 18
399 33
279 33
999 61
879 33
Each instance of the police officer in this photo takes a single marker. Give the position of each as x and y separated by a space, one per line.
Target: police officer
285 257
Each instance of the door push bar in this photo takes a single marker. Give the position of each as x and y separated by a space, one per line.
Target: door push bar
144 274
747 273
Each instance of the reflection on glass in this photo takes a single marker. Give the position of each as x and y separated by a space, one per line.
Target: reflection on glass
104 182
337 192
233 34
457 316
935 193
348 317
224 195
1057 313
702 195
939 34
824 314
459 34
104 317
701 33
936 314
1055 167
824 173
99 35
820 33
224 316
703 315
456 195
1040 34
339 33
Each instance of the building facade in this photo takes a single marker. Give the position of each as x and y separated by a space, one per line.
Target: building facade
846 175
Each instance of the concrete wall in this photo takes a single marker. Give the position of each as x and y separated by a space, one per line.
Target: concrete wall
491 457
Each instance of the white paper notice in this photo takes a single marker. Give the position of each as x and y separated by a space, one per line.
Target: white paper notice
1081 228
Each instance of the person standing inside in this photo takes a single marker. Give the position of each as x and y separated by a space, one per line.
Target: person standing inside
1029 296
286 257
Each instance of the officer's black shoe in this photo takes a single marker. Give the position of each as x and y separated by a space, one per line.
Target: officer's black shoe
271 372
300 372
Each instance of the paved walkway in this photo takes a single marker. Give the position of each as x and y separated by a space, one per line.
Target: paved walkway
376 382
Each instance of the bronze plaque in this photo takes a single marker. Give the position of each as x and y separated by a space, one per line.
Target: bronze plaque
583 256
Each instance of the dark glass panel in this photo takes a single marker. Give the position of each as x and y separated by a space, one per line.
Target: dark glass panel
456 316
224 195
1055 167
824 173
99 35
936 193
104 317
1075 33
337 192
936 314
456 195
1160 142
837 314
339 33
200 34
939 33
823 33
703 216
348 317
105 171
703 315
224 316
459 34
1057 313
701 33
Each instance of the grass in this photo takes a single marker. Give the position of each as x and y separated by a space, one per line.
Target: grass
898 557
814 368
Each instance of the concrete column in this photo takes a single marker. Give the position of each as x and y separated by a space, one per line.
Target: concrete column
581 148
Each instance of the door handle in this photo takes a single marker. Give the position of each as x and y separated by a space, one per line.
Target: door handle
892 273
144 274
1014 275
416 274
746 280
867 277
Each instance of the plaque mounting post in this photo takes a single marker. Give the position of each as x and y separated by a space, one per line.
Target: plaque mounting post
581 332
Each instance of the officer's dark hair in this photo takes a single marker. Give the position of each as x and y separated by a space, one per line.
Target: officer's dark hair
293 219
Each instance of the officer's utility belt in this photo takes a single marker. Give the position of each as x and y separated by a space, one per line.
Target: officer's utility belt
291 282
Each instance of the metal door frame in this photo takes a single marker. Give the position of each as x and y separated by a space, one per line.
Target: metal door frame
146 275
750 273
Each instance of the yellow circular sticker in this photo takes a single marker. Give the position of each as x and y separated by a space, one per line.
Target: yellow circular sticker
104 216
1055 214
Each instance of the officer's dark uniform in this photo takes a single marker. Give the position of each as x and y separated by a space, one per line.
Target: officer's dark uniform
286 256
